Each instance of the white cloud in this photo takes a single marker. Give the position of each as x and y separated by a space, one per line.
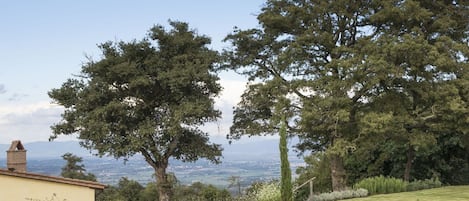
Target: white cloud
27 122
231 94
229 97
2 89
31 122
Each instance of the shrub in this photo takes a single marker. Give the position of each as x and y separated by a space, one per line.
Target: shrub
347 194
268 192
423 184
382 185
262 191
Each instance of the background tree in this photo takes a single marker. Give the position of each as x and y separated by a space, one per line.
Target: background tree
130 190
150 192
235 181
199 191
110 193
145 97
74 169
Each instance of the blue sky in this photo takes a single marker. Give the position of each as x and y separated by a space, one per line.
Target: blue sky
42 43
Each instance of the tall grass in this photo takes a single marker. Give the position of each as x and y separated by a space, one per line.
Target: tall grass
382 185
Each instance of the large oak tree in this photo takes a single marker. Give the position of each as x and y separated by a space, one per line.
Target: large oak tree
145 97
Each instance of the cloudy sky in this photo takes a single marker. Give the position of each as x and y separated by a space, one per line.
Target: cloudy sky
44 42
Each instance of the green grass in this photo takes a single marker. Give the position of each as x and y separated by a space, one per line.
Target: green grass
450 193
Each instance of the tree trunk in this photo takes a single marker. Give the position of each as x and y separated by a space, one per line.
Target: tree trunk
408 165
162 183
338 174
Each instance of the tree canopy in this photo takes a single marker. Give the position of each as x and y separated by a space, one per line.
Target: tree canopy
145 97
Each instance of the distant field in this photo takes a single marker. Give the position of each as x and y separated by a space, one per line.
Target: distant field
450 193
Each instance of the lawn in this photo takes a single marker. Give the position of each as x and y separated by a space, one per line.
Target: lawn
450 193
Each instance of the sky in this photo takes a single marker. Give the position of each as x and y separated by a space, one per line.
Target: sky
42 43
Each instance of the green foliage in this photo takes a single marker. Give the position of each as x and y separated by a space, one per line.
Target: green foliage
262 191
269 192
382 185
317 165
423 184
129 189
110 193
415 104
254 187
285 180
339 195
214 194
147 97
150 192
200 192
74 169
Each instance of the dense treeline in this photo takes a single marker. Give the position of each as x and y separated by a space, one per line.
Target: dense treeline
129 190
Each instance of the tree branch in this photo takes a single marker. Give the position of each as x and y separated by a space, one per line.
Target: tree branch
278 75
148 158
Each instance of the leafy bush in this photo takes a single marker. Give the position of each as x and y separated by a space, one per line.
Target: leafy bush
423 184
347 194
268 192
382 185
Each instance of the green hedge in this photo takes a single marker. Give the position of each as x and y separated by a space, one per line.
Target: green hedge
383 185
423 184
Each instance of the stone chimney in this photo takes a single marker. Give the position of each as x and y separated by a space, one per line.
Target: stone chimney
16 157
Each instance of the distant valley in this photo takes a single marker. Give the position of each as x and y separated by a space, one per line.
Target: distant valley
252 160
